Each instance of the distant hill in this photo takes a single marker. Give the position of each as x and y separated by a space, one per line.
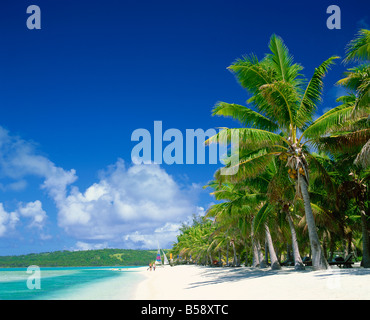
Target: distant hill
103 257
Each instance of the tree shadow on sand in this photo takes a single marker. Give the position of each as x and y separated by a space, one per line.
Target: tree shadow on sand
215 275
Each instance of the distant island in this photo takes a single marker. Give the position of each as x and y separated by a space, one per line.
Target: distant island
88 258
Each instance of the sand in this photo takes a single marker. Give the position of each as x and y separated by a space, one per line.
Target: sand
190 282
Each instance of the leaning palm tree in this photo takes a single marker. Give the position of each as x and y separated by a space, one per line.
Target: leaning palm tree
282 106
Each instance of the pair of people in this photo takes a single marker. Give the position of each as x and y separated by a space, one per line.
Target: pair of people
151 266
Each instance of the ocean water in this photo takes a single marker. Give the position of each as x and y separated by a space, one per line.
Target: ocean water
70 283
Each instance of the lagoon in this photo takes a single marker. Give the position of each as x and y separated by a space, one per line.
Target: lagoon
75 283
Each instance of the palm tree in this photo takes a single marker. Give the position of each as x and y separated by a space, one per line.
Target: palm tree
234 216
245 198
345 130
285 104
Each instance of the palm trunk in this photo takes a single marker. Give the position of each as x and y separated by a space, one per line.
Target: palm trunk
246 254
275 265
365 239
256 260
318 259
289 253
227 254
234 259
298 264
349 243
332 247
261 260
266 251
324 246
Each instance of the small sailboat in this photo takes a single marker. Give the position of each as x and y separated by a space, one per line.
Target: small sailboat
165 260
158 260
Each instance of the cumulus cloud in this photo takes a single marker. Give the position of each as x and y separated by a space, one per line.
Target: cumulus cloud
83 246
34 212
18 160
140 205
133 206
8 220
31 214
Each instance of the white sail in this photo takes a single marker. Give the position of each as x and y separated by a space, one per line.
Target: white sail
165 260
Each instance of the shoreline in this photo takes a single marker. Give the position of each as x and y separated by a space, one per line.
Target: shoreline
191 282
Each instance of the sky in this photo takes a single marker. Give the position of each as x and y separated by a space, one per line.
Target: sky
73 92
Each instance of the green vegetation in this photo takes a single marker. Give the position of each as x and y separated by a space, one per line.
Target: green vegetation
104 257
302 186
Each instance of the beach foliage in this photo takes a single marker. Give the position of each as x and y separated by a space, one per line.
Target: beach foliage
302 184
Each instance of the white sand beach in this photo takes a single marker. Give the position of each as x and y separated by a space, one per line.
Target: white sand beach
190 282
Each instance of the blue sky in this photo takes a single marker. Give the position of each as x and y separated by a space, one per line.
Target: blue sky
73 92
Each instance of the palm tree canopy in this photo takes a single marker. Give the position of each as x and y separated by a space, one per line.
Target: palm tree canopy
359 48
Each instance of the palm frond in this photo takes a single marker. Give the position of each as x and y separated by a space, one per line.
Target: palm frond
318 165
256 137
281 61
359 48
261 217
251 73
347 142
363 158
254 164
313 92
282 101
328 121
244 115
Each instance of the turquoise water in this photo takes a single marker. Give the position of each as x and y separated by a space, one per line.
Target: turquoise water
70 283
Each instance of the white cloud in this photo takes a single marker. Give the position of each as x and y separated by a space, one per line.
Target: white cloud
19 158
14 186
8 220
133 204
82 246
31 214
34 212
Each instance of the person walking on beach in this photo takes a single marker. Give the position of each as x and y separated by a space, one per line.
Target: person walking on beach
153 266
150 267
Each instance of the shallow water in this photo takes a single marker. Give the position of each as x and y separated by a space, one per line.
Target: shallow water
70 283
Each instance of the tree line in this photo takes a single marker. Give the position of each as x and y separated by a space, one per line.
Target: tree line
301 190
103 257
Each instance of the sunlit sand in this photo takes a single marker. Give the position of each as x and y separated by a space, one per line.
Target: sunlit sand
197 282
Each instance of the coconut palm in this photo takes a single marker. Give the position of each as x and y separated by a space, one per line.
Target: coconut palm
345 130
282 104
230 217
248 204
